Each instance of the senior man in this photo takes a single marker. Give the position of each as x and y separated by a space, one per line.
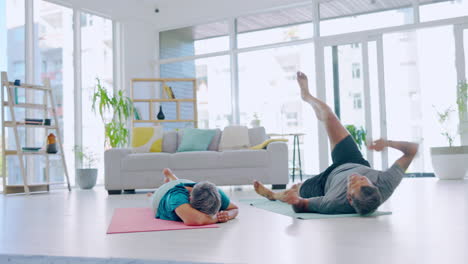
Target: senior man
349 185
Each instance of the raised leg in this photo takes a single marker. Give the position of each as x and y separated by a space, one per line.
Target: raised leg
270 195
336 131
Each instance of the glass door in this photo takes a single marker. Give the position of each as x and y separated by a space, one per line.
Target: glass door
354 89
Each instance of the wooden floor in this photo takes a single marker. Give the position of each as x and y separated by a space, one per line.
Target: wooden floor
429 225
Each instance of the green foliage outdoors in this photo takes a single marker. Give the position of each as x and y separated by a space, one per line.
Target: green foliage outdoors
114 111
358 134
462 98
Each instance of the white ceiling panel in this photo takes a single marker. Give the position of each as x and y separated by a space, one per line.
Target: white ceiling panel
330 9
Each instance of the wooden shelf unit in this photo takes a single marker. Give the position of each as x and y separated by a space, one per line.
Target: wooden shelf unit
47 105
177 101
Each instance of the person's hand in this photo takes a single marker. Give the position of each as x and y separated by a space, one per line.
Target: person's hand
378 145
222 216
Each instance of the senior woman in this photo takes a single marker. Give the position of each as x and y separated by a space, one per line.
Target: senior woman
192 203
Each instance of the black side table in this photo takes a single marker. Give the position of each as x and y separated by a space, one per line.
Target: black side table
296 146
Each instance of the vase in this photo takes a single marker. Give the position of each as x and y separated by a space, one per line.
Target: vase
449 163
51 144
161 114
86 178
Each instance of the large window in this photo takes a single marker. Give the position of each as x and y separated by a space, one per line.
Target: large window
268 91
403 78
97 62
213 90
420 80
12 40
51 57
53 47
12 60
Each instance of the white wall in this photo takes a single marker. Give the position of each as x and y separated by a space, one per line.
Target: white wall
138 51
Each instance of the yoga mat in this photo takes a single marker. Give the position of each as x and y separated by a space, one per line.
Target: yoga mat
132 220
286 209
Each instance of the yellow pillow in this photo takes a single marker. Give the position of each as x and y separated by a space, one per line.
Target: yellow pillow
147 139
268 141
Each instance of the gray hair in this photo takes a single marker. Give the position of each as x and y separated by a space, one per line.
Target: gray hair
205 198
367 201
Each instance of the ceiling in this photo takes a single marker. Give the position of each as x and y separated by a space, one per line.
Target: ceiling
329 9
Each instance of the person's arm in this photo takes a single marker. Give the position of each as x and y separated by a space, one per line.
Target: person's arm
409 150
193 217
230 213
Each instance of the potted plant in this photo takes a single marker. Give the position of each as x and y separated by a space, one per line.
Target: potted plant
86 176
358 134
450 163
255 121
114 110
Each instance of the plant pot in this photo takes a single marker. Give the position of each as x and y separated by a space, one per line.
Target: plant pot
450 163
86 178
255 123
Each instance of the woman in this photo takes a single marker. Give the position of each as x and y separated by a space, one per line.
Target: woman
192 203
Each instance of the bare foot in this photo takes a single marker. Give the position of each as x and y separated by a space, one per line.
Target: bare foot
149 194
263 191
299 204
304 85
322 110
282 195
168 175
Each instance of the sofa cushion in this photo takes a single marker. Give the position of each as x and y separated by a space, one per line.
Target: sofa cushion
244 159
195 160
146 161
257 135
147 139
214 145
234 137
195 139
169 142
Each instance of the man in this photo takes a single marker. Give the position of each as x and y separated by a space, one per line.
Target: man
349 185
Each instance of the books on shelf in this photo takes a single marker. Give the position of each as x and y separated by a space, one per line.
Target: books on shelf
31 149
169 92
37 121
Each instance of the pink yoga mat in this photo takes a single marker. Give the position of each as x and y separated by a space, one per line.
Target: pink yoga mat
132 220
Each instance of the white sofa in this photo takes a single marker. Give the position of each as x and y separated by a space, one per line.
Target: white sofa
128 171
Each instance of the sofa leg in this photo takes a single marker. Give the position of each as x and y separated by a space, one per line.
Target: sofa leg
278 186
129 191
111 192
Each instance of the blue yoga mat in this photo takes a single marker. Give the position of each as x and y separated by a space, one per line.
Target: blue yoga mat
286 209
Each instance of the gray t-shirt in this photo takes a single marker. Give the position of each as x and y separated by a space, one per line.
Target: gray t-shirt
335 202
